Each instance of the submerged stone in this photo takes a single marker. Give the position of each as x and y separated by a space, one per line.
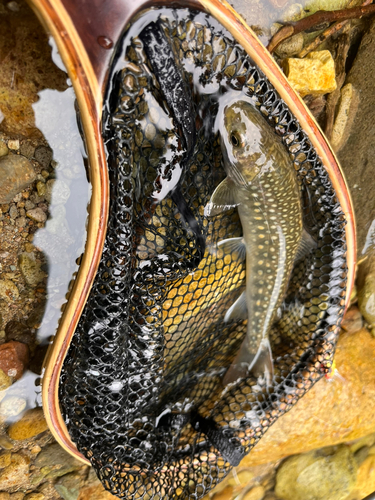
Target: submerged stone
314 75
312 476
16 174
30 425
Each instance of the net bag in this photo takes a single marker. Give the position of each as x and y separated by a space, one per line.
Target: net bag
141 388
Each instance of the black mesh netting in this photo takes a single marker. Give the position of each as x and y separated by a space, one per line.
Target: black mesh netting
141 388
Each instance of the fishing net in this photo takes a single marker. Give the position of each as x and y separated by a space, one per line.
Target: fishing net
141 387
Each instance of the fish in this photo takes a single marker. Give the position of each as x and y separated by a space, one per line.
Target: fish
261 182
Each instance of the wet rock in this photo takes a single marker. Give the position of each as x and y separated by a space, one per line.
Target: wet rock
5 459
56 462
352 321
291 46
14 144
256 493
315 477
94 490
333 411
16 174
41 188
30 267
15 475
14 358
34 496
12 406
14 330
5 382
57 191
357 156
224 494
68 486
37 215
4 495
3 149
366 288
30 425
43 155
314 75
8 290
36 363
344 118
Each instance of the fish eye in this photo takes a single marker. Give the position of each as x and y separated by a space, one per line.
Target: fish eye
236 140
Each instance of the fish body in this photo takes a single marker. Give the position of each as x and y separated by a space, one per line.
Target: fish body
261 182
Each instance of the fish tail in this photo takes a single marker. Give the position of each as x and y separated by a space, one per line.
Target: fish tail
260 364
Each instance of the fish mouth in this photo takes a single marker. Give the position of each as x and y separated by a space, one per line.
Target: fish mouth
180 427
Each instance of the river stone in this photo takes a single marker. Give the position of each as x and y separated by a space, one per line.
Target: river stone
37 215
43 155
14 358
16 174
14 330
3 149
333 411
313 476
12 406
357 156
16 475
68 486
58 460
256 493
30 267
30 425
8 290
34 496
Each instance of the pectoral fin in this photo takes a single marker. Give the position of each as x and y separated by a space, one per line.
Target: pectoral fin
233 246
238 310
306 245
222 199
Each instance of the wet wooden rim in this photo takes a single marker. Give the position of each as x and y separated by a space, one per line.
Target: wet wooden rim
75 35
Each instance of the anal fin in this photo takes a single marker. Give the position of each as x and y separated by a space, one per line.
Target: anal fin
238 310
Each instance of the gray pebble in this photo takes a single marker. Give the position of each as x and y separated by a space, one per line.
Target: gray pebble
21 221
13 212
43 155
37 215
29 205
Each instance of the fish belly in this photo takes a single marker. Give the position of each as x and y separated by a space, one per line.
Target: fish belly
271 218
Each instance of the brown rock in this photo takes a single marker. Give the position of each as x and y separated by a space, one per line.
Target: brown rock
357 155
256 493
317 476
313 75
16 174
14 358
333 411
352 321
4 495
30 425
96 492
16 475
225 494
14 330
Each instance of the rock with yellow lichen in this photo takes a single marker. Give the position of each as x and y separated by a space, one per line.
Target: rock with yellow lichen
333 411
317 476
314 75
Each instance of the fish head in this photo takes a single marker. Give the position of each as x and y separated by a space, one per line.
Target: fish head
242 141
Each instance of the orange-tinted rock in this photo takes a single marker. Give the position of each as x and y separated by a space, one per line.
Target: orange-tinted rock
14 358
352 321
30 425
333 411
